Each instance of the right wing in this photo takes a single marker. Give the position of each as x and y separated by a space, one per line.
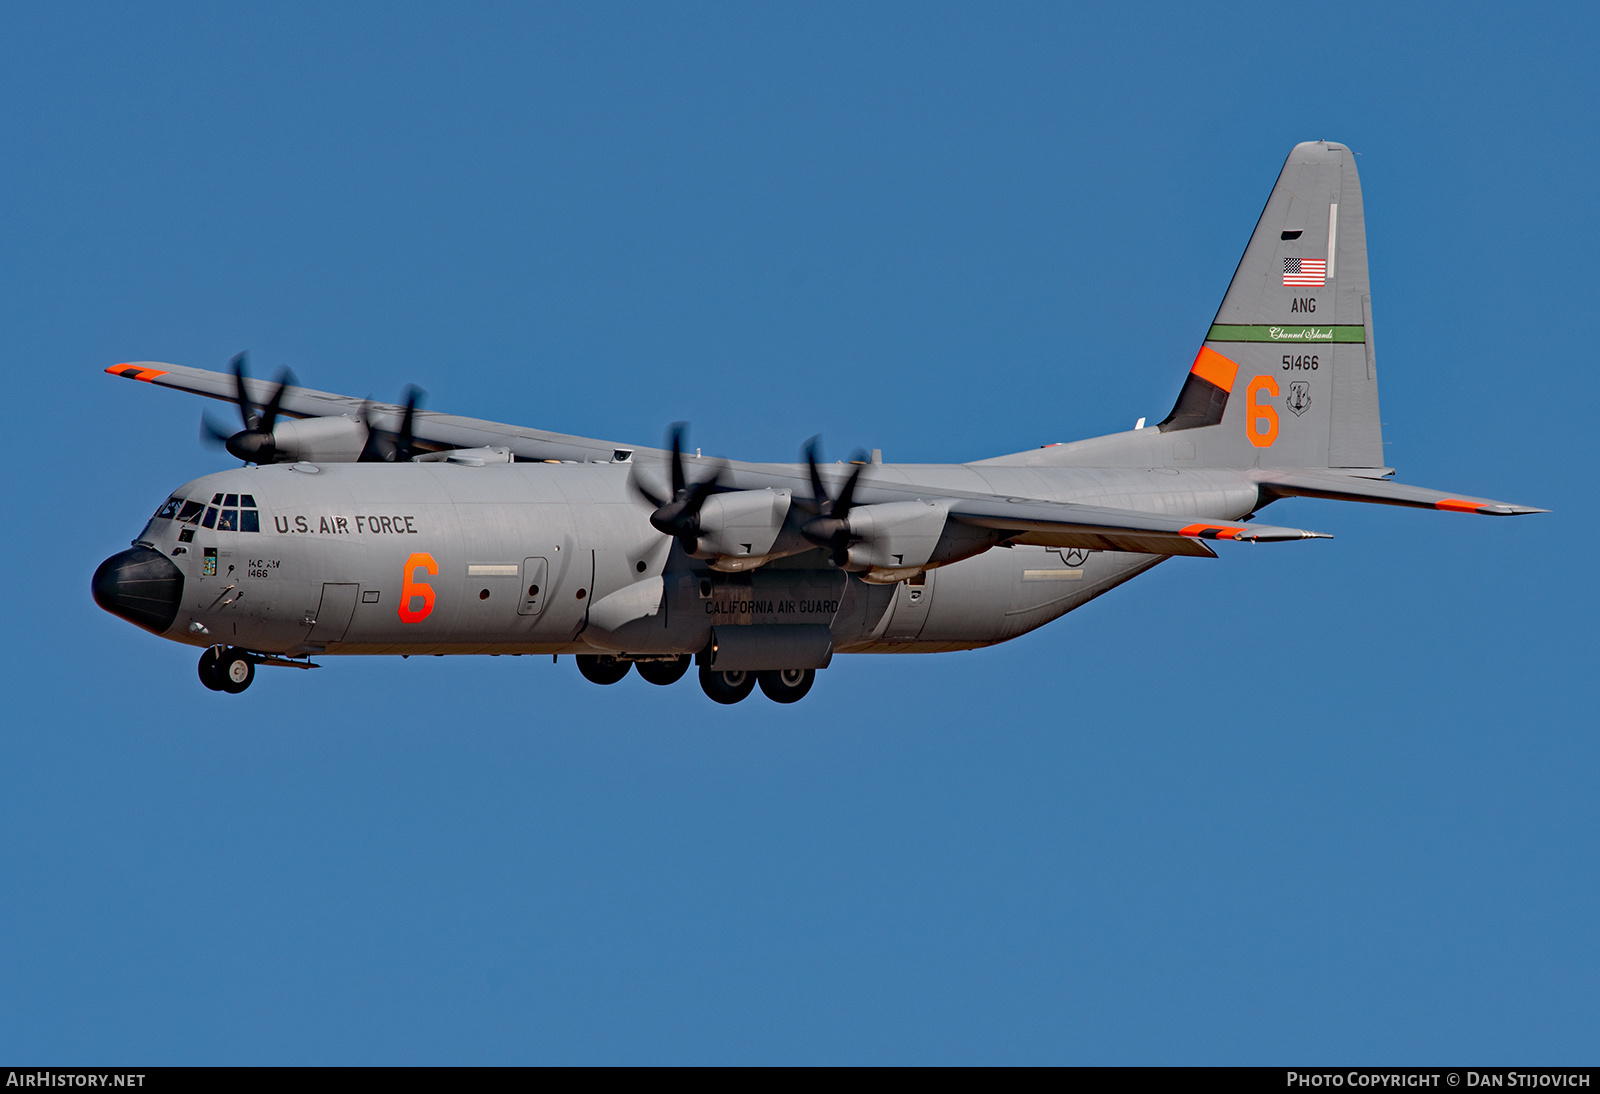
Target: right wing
1093 527
1329 484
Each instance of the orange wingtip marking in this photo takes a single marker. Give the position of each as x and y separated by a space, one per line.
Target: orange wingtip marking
1456 505
134 372
1211 366
1210 531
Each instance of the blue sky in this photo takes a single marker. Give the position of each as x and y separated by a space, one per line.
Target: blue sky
1309 803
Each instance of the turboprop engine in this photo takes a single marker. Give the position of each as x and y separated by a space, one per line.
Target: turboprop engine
739 530
333 438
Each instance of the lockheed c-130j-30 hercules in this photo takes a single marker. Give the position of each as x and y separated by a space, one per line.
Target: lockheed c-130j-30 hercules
356 528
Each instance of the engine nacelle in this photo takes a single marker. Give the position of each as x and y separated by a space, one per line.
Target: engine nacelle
738 529
332 439
898 538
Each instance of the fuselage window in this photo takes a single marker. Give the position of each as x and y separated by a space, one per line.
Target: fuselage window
191 512
210 519
169 510
228 520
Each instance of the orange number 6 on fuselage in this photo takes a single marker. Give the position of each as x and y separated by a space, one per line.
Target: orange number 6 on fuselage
1255 412
410 588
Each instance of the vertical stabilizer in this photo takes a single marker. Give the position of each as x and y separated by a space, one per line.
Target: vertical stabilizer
1286 376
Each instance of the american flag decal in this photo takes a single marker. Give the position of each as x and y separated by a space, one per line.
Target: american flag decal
1305 271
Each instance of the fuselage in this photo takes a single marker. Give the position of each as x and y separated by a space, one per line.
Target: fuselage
545 558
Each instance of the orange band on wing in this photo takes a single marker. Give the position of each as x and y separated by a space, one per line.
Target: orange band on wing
1210 531
1456 505
134 372
1214 368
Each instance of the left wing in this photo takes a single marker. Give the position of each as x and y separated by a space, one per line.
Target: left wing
432 431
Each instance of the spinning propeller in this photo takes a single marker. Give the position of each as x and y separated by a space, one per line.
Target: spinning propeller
679 515
830 528
253 443
385 447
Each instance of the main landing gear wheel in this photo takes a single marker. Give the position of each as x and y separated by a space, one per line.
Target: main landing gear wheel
664 672
602 668
787 685
726 687
227 669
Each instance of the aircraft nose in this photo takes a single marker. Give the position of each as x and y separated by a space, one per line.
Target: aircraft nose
140 585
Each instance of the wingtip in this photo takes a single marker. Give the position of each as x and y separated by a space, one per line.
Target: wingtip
1486 508
130 371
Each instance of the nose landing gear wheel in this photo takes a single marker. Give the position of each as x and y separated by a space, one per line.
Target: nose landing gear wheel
726 687
226 669
787 685
210 672
664 672
601 668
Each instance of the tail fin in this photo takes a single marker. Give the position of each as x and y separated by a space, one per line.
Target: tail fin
1286 376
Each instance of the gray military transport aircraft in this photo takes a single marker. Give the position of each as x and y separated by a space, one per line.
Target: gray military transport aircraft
357 528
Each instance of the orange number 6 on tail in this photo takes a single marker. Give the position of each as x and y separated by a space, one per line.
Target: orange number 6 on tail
1256 413
411 589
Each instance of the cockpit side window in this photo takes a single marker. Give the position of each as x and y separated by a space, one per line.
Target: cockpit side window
191 512
210 519
170 509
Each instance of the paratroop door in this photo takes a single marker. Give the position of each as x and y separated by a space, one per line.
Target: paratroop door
333 614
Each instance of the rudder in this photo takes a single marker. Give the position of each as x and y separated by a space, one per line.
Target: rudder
1286 376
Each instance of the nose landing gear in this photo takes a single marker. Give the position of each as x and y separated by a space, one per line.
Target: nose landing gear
223 668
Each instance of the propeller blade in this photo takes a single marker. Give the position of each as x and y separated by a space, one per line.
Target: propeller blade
635 481
830 528
382 446
247 412
819 494
269 417
676 431
375 447
679 515
405 442
846 499
212 433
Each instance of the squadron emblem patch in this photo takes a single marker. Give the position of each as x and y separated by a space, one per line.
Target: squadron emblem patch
1299 397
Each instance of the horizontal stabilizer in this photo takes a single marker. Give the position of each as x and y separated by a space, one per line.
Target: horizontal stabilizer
1328 484
1092 527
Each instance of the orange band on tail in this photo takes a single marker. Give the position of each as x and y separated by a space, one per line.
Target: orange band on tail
1456 505
1214 368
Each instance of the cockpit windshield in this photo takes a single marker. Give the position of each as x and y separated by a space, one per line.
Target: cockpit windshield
226 513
